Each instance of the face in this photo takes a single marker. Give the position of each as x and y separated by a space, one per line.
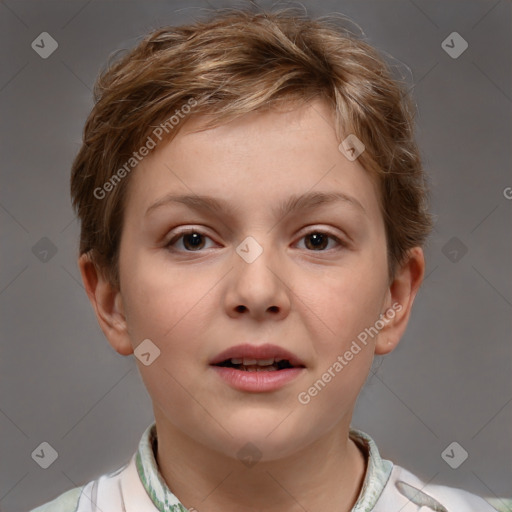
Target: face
249 280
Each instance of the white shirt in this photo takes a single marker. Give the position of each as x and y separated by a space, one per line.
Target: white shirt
139 487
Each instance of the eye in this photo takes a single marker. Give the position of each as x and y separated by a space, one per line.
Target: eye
318 240
192 240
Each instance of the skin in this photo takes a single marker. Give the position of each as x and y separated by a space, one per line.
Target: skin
312 302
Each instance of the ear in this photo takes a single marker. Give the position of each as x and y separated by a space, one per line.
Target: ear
399 299
107 303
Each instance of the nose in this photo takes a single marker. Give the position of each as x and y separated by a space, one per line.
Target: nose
259 283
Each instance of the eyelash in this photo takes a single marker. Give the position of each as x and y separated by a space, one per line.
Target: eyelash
181 234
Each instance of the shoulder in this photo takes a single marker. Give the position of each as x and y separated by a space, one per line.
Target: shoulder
66 502
408 491
102 493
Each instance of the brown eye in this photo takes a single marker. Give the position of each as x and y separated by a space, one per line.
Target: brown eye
319 240
316 241
192 240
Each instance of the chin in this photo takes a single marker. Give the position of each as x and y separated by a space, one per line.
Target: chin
265 435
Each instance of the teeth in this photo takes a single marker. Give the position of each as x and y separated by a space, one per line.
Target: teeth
251 362
266 362
255 365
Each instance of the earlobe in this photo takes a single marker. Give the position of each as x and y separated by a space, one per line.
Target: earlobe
107 303
400 297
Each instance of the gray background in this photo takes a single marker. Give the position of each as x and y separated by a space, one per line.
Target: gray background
449 379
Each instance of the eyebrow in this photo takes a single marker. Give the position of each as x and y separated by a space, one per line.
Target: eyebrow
292 204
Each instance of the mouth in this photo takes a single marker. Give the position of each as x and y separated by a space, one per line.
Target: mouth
257 368
256 365
257 358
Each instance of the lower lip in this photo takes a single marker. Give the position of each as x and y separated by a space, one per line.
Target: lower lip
257 382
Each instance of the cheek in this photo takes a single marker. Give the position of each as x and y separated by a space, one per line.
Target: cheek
171 308
345 302
167 305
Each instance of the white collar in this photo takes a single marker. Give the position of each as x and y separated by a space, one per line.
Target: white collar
377 473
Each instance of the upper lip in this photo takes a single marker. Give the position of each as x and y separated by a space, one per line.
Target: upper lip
249 351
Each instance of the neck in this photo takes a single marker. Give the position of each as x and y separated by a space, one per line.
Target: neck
327 475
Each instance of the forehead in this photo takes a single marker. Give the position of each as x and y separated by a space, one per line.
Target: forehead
255 161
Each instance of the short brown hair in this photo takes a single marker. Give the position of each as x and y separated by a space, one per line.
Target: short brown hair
236 62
